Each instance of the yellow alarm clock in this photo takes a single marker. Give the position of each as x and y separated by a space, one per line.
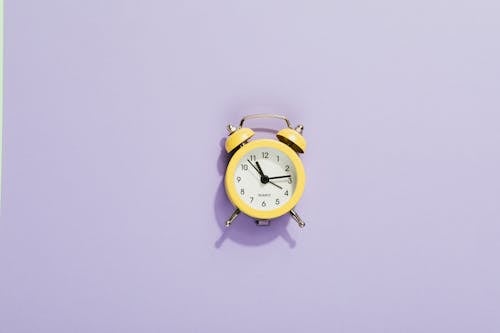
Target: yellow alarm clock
265 178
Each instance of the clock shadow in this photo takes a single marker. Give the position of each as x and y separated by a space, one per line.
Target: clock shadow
244 230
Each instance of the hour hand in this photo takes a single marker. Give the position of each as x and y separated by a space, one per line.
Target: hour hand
260 169
253 166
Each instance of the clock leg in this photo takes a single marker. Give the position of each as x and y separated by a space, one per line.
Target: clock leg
297 218
233 216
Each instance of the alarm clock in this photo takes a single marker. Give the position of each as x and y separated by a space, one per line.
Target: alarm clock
265 178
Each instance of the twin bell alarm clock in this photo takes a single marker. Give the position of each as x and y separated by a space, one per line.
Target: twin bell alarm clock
265 178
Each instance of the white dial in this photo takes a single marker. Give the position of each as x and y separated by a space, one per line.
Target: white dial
265 178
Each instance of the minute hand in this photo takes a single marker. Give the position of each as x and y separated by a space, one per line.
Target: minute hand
278 177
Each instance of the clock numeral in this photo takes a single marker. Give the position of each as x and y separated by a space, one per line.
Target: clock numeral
253 158
251 199
265 154
286 192
238 179
244 167
263 204
277 202
287 168
278 157
242 191
290 180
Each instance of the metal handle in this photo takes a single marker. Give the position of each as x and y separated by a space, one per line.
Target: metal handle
265 115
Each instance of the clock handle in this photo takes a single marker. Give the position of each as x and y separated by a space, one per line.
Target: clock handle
288 135
266 115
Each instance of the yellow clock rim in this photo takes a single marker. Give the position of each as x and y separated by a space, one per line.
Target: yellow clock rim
238 202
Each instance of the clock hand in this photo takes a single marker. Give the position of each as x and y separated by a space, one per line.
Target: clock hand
270 182
263 178
260 172
278 177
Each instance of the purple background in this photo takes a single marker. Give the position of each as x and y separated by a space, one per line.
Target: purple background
112 200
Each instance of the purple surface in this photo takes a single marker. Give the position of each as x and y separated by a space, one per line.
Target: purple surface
112 199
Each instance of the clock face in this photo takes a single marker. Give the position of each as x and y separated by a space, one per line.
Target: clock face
265 178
